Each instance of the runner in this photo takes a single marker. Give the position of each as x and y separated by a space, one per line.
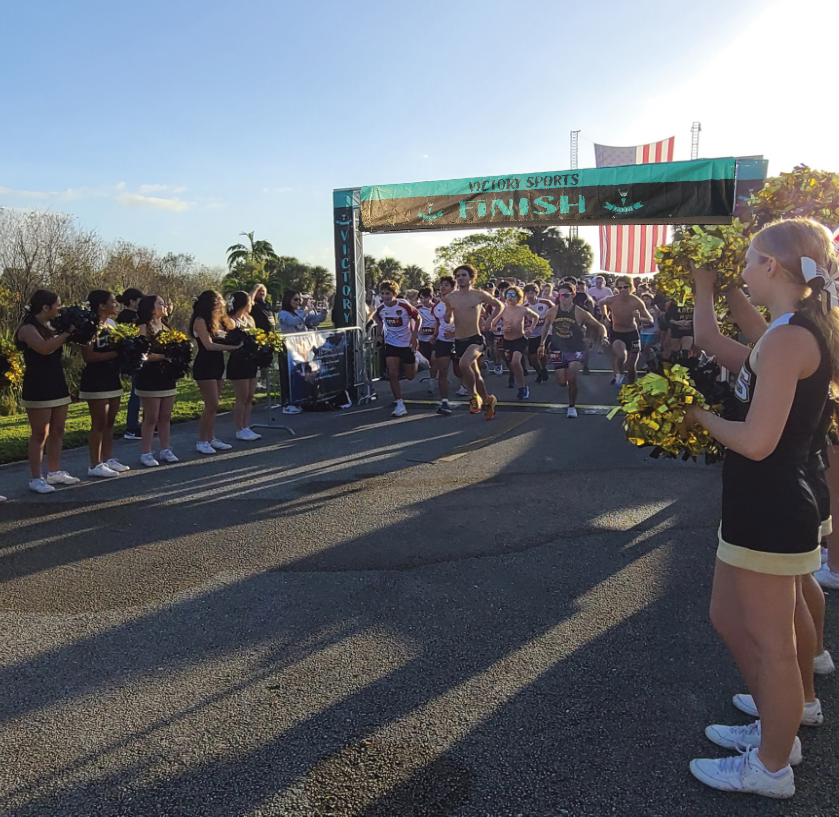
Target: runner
680 322
540 307
400 323
599 291
444 344
464 305
427 332
649 334
564 324
625 340
516 318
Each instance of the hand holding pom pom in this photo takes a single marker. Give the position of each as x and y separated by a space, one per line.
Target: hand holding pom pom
80 322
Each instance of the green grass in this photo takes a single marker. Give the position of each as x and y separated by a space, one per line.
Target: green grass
14 429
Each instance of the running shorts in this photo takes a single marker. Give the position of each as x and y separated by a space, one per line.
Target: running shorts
426 349
462 344
560 360
632 340
404 353
443 348
533 345
516 345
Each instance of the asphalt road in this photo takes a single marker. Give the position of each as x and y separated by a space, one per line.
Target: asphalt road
428 616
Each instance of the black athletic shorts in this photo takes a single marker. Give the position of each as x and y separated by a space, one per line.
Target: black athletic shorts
632 340
443 348
404 353
512 346
462 344
427 349
533 345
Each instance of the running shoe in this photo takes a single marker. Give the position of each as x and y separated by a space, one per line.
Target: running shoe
40 486
520 394
132 435
148 460
742 738
444 408
219 445
116 465
475 404
101 470
463 392
61 478
811 716
489 407
203 447
571 413
248 435
827 578
823 664
746 774
527 392
499 370
292 409
399 411
168 455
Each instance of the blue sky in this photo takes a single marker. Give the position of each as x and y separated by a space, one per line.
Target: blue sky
178 125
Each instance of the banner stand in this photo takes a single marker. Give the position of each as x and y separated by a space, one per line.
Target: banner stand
271 404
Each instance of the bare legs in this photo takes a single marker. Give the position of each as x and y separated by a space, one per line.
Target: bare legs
516 369
244 391
569 377
471 372
157 412
211 393
47 431
754 614
100 441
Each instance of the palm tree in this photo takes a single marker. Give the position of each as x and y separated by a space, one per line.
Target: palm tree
371 272
415 277
259 251
577 257
390 270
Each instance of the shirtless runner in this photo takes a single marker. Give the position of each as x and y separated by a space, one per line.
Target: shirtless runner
624 310
516 316
464 306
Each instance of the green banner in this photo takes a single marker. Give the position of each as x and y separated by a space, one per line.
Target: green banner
698 192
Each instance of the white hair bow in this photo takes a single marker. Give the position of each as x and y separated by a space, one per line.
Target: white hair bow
810 270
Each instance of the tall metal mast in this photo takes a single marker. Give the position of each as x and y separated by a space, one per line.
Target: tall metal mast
573 231
694 140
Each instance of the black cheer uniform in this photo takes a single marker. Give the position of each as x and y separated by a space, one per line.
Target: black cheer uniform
208 364
238 366
770 514
153 380
100 379
44 385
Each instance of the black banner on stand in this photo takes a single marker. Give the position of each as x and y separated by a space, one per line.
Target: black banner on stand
317 366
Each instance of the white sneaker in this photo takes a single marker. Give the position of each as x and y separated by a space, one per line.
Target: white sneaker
247 435
463 392
292 409
743 738
620 380
399 411
61 478
746 774
499 370
827 578
101 470
148 460
811 716
116 465
40 486
219 445
571 413
203 446
823 664
168 455
432 385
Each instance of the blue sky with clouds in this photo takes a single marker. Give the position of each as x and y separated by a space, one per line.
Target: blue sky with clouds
179 124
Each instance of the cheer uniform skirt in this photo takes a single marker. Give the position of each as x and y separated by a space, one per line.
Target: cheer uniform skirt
100 381
153 381
208 365
44 385
239 367
771 521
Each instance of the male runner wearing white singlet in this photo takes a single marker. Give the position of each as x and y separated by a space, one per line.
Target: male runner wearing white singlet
443 344
428 331
400 323
464 307
540 306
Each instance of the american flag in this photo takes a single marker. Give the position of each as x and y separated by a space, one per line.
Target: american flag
630 248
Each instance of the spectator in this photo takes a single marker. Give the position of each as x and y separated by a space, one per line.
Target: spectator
294 317
261 312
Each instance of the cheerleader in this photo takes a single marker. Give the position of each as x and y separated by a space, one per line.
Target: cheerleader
156 387
770 526
209 321
241 372
102 388
45 395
